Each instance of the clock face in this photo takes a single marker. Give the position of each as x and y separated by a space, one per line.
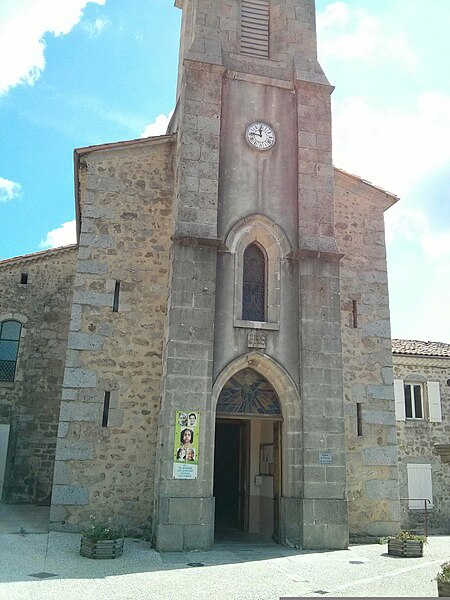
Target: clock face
260 136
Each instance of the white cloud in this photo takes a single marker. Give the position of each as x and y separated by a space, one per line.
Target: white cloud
95 28
412 225
63 235
158 127
23 25
419 288
8 189
419 274
354 34
392 148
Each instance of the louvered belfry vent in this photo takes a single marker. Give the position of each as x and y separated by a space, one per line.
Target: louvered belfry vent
255 28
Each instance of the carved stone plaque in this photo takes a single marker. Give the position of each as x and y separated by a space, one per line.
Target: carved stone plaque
256 339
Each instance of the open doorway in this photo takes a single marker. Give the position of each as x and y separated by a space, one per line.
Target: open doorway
247 472
231 475
247 456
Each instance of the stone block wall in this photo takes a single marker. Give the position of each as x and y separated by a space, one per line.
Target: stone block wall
30 404
372 475
107 468
424 442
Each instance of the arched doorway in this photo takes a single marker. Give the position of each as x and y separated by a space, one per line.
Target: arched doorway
247 458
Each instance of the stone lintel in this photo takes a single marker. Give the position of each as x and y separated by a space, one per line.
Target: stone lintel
196 61
187 240
260 79
319 254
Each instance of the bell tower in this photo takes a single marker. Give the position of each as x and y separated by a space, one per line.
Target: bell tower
254 166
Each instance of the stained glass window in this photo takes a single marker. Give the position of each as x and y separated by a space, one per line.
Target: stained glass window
248 393
9 347
254 284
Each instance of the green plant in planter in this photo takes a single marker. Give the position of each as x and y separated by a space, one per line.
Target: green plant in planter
444 574
101 540
443 580
406 536
406 544
101 530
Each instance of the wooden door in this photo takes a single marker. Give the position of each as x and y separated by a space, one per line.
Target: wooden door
4 437
276 480
244 476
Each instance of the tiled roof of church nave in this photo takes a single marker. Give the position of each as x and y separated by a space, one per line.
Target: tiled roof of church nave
418 348
36 255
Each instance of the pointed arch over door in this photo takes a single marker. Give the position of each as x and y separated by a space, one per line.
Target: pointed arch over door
248 393
290 405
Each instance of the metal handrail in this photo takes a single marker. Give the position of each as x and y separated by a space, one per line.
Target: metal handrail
425 501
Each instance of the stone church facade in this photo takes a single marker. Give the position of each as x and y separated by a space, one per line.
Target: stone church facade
227 271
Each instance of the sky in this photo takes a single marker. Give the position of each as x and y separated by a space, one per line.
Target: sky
76 73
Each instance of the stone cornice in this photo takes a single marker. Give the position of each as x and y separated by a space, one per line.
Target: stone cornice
189 240
422 361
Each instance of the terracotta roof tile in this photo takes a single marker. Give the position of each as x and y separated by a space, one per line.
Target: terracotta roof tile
418 348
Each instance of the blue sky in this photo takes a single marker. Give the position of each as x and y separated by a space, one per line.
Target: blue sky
79 72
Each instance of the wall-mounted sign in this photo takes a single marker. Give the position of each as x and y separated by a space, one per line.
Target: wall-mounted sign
256 339
325 458
185 452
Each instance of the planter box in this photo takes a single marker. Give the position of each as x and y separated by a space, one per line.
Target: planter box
444 589
101 548
407 549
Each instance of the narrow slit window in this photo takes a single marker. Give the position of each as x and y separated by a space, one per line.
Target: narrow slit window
106 409
24 278
254 284
354 314
359 419
255 28
116 297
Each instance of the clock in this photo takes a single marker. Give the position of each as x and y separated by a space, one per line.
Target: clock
260 136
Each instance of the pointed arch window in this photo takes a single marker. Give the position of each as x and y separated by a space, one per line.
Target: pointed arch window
254 284
9 348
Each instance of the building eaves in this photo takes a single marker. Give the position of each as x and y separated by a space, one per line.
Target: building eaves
36 255
388 198
124 143
420 348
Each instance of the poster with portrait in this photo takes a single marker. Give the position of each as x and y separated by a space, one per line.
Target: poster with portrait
185 448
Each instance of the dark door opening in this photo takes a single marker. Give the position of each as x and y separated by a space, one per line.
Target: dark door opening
230 475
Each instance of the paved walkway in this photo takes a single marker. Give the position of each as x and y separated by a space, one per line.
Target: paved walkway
48 566
28 518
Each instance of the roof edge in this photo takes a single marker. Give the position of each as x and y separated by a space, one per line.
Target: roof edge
37 255
420 349
157 139
79 153
382 193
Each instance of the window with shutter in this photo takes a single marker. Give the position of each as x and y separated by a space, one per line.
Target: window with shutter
413 400
399 395
434 401
419 485
255 28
